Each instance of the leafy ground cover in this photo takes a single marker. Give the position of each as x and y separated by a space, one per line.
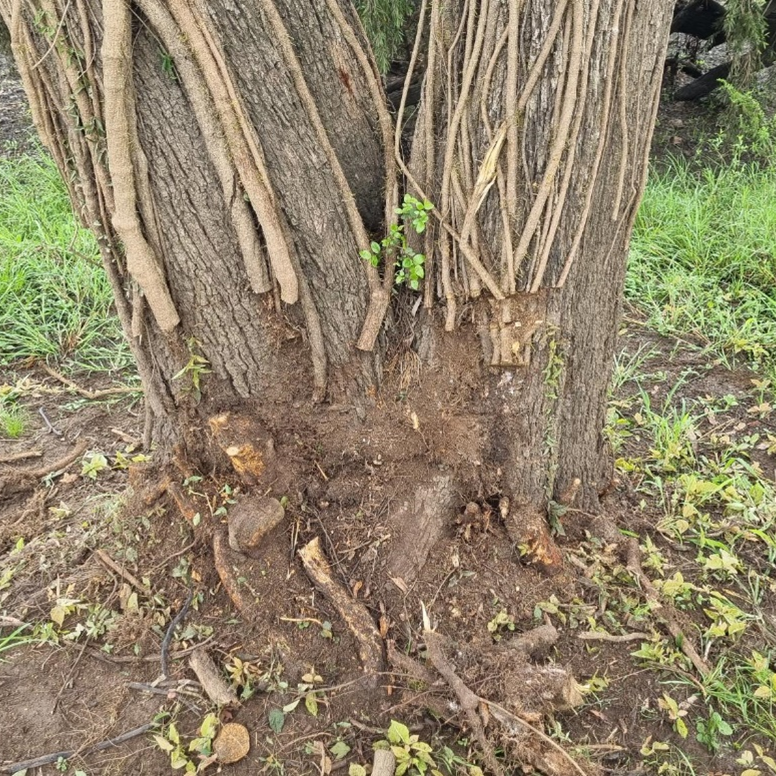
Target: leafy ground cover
96 566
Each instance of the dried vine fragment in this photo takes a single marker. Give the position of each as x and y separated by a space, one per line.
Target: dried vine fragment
354 613
243 146
142 264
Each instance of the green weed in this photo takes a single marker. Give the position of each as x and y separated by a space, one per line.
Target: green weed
55 300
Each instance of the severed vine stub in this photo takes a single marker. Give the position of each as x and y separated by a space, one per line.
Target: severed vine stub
354 613
142 264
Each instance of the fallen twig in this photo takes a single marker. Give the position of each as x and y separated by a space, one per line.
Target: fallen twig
600 636
23 455
111 564
155 658
12 622
69 677
180 694
171 629
47 759
665 614
663 610
87 394
128 438
51 428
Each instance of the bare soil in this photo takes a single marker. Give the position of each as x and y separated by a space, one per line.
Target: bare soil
69 696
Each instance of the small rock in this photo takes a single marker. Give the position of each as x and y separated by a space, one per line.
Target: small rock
250 520
232 743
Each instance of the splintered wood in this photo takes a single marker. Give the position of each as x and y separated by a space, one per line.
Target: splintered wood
354 613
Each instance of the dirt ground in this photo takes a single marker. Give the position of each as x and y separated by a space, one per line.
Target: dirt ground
102 560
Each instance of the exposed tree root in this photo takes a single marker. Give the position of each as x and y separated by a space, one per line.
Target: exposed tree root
532 690
469 701
354 613
22 480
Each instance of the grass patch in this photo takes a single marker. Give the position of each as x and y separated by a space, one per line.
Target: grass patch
55 301
13 421
703 258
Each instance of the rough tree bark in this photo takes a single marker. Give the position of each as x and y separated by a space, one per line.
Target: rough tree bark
234 158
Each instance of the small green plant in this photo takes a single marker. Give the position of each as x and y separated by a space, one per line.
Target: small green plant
708 731
394 251
93 463
413 756
502 621
675 712
169 740
13 420
195 367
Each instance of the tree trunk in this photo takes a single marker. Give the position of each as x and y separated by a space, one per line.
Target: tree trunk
535 148
235 158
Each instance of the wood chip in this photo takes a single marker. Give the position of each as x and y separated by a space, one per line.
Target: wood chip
210 678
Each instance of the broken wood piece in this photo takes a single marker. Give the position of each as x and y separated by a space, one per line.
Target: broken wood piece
209 677
354 613
21 456
111 564
47 759
250 520
87 394
601 636
534 642
223 564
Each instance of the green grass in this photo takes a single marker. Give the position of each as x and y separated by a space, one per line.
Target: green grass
14 639
55 301
13 421
703 259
